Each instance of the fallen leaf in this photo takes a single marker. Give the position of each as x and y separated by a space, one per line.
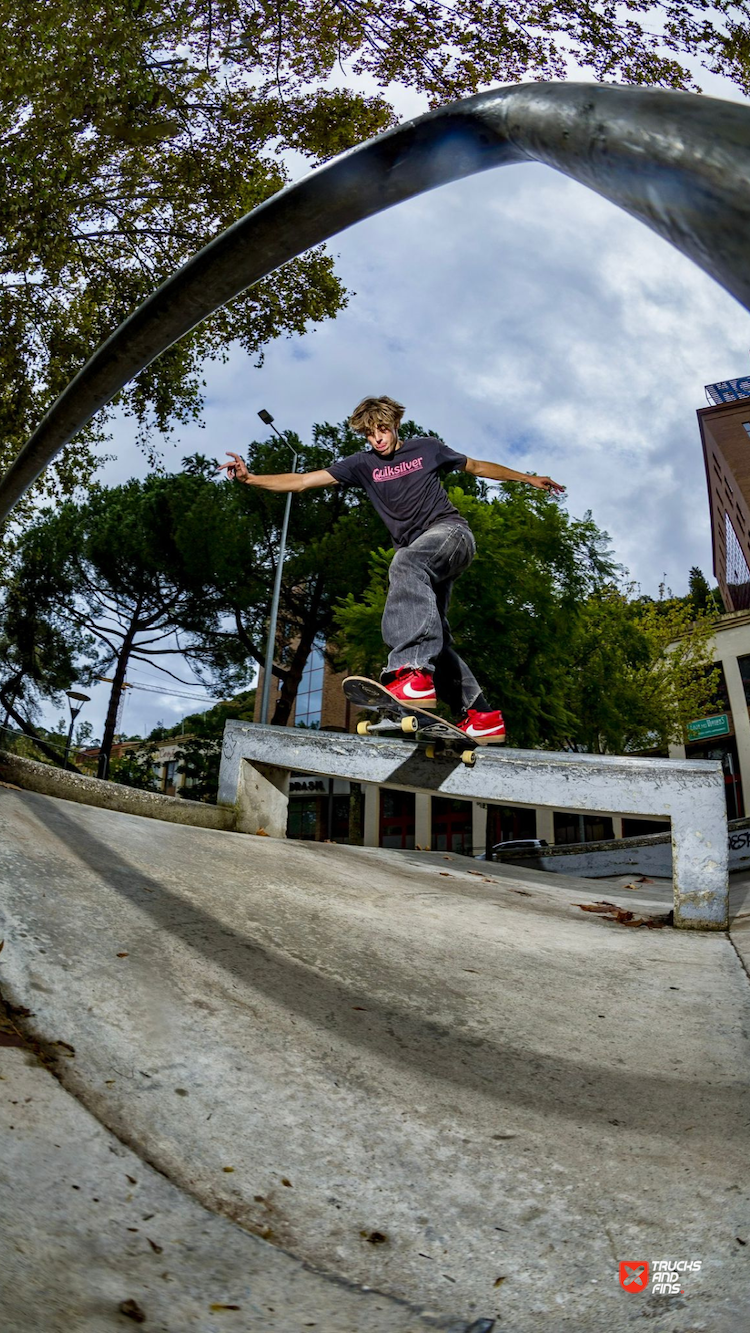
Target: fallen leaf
157 1249
217 1307
227 1168
286 1182
498 1280
123 955
625 918
69 1050
133 1311
2 945
261 833
132 1179
9 1037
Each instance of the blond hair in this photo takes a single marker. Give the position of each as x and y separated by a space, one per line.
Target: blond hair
374 412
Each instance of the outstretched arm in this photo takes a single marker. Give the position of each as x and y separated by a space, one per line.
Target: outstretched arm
275 481
497 472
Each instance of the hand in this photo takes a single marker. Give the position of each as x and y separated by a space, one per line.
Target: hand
236 470
547 484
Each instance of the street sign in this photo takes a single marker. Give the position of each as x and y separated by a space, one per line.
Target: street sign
705 727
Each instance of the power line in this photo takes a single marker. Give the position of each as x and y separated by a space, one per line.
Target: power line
158 689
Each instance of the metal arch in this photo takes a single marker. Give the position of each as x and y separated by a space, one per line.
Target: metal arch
677 161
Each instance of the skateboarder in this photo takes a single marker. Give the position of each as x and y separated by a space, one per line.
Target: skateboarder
434 544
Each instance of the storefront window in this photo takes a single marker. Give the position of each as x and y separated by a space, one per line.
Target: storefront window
451 826
507 823
397 819
303 819
570 827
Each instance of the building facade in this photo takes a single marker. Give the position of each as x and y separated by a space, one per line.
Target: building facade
725 435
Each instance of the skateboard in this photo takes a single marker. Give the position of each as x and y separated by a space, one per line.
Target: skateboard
432 733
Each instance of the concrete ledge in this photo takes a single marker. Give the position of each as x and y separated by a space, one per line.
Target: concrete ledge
690 792
49 781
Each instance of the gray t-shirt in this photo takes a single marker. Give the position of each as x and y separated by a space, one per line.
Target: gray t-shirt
405 488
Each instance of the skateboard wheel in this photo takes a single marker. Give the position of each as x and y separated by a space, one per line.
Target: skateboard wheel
363 728
469 758
409 724
430 751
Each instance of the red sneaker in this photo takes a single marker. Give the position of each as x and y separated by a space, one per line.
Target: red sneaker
411 685
484 728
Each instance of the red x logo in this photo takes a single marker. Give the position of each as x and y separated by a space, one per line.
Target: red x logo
633 1276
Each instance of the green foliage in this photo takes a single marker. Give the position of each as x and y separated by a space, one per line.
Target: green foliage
199 759
125 576
210 724
573 660
332 532
132 133
641 670
134 768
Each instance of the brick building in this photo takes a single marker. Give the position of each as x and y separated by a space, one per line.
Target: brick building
725 435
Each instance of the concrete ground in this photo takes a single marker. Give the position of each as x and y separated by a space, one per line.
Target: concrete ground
439 1081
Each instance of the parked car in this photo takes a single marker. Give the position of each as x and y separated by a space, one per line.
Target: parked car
524 847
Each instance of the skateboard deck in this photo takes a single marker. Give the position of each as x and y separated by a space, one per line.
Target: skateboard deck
432 733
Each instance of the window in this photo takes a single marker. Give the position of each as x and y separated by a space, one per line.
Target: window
303 819
509 823
575 828
309 705
746 426
397 818
643 828
744 665
451 826
738 572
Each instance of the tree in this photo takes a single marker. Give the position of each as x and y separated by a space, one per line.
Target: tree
199 752
640 670
127 577
332 534
512 610
572 659
39 649
131 133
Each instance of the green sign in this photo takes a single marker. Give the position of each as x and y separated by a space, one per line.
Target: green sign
705 727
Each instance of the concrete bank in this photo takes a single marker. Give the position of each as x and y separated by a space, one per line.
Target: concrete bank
85 790
452 1086
93 1238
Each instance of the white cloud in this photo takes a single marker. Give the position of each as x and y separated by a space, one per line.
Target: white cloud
526 319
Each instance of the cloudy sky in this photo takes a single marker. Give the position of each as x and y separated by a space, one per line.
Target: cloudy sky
529 322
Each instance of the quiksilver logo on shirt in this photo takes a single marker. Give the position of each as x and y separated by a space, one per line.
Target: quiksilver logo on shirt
388 473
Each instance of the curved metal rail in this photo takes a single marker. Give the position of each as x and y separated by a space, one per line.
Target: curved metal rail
677 161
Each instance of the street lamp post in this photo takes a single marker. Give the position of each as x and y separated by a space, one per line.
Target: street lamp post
268 668
80 699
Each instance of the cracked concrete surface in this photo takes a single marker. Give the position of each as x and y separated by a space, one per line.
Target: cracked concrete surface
452 1087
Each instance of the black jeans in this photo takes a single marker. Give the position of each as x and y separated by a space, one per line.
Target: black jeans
415 624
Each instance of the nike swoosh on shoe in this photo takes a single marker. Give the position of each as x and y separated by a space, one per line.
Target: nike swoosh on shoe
483 731
417 694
